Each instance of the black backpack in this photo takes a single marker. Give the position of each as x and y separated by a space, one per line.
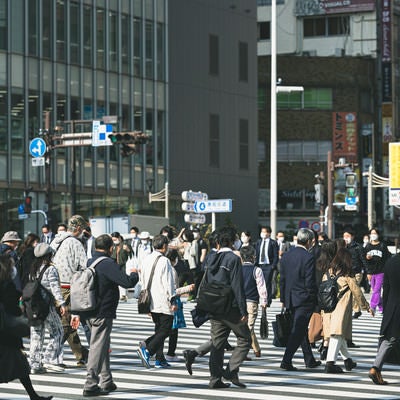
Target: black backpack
328 293
37 300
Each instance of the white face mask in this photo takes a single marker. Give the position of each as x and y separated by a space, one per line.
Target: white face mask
280 239
144 241
347 240
263 235
374 236
116 242
366 241
13 272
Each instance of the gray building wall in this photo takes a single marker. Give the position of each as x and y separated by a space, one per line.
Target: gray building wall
194 94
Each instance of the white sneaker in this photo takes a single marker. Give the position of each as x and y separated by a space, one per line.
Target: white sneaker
173 358
53 368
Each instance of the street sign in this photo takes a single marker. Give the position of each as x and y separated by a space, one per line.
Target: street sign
37 147
38 162
100 134
195 218
194 196
213 206
188 207
23 216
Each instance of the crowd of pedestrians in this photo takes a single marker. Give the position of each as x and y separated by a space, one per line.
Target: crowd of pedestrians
256 271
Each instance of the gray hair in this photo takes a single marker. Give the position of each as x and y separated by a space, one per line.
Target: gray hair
304 235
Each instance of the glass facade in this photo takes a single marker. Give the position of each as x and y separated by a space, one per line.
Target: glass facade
80 61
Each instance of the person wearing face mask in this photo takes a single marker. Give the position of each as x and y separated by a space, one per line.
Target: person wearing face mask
69 257
120 254
99 379
144 248
358 266
267 258
9 245
245 238
283 247
376 254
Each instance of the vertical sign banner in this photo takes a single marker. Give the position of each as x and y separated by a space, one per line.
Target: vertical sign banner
386 35
394 174
344 127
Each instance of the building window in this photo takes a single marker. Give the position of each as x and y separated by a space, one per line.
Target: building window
326 26
303 150
213 65
214 140
262 98
243 62
264 30
312 98
243 144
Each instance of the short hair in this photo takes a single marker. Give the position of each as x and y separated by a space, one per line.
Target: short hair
227 236
63 225
248 253
267 228
103 242
213 239
374 229
159 242
168 230
304 235
135 228
47 226
189 235
349 230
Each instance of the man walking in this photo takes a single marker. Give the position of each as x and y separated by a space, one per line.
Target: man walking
225 267
69 257
299 295
109 275
162 307
267 258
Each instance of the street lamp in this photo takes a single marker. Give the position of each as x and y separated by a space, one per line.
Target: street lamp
274 90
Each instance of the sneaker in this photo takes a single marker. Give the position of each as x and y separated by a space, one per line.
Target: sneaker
53 368
38 370
162 364
144 356
124 299
173 358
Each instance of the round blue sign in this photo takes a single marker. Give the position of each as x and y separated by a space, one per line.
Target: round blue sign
37 147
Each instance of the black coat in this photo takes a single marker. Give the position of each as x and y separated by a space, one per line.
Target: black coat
390 326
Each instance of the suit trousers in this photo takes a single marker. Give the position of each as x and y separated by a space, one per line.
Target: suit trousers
220 330
98 365
385 346
299 335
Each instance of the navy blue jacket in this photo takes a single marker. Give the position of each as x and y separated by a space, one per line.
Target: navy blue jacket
273 255
109 277
297 283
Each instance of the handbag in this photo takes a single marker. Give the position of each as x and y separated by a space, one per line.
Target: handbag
14 325
264 324
282 328
179 317
199 317
144 299
315 328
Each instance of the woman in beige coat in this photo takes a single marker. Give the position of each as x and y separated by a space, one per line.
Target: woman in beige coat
340 325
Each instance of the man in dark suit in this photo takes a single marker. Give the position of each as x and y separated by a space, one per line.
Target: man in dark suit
390 327
267 258
299 296
283 247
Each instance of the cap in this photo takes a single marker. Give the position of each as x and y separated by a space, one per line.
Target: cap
144 235
41 249
11 236
77 221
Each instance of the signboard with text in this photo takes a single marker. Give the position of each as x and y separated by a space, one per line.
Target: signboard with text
344 141
394 174
322 7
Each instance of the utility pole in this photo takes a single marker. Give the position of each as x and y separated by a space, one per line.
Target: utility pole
47 169
330 169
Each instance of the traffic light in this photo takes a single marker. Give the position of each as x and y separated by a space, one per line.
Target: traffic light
28 204
128 138
351 184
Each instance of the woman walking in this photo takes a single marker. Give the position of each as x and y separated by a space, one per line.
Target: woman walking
13 363
341 317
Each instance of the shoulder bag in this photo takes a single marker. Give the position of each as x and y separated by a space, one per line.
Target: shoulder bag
144 299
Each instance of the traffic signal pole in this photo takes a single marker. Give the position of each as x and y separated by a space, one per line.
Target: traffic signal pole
47 166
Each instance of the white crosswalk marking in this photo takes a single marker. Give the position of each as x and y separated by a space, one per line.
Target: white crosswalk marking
264 378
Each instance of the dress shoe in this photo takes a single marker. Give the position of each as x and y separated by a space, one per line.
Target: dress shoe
189 356
349 364
257 354
331 368
352 345
324 353
247 358
376 376
357 314
314 364
219 385
235 380
288 367
233 377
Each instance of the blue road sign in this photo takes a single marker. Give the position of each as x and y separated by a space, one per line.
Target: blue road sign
37 147
213 206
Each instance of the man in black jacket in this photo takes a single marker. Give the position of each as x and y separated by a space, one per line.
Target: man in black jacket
109 276
225 267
